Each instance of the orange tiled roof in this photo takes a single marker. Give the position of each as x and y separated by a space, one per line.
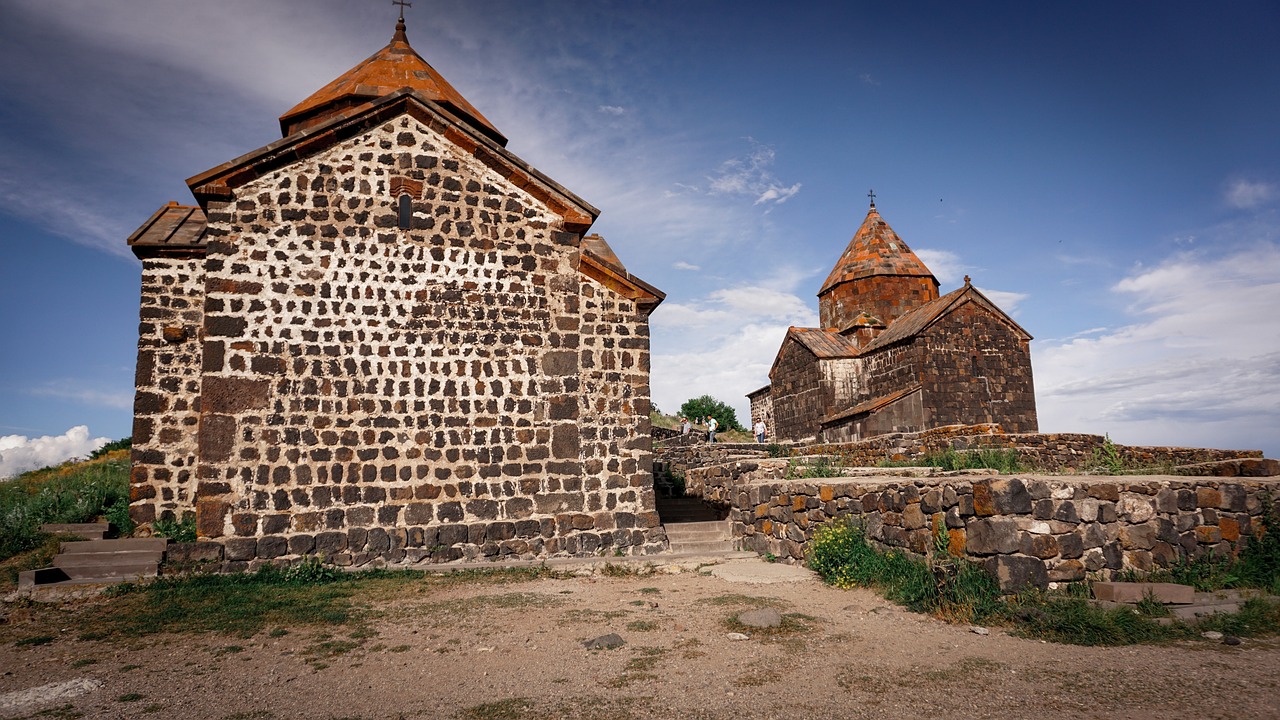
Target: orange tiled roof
393 67
875 250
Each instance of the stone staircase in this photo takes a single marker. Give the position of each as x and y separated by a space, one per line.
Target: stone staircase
84 563
710 537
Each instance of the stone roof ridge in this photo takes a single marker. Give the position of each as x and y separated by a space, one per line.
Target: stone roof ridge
596 245
392 68
875 250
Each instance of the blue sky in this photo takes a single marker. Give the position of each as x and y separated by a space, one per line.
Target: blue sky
1108 172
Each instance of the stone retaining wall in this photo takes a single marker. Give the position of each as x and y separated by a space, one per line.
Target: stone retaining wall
1027 530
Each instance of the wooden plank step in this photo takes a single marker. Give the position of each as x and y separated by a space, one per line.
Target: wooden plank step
108 572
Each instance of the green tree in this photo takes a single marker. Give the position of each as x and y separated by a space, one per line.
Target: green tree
697 409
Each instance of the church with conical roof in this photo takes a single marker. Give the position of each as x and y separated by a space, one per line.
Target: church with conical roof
385 337
894 356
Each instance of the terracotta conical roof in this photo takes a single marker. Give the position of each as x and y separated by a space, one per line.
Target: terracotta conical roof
875 250
393 67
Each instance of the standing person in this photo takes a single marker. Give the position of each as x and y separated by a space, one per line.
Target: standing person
685 426
711 428
759 429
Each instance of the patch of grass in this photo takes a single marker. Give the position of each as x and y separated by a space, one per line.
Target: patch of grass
34 640
792 624
642 626
611 570
1258 617
84 662
228 650
584 615
822 466
1074 621
183 530
62 712
130 697
69 493
509 709
1003 461
38 557
400 649
649 591
953 589
749 601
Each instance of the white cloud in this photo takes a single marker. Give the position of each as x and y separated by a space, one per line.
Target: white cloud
19 453
1199 366
1244 194
612 109
723 343
751 176
944 264
1004 299
682 265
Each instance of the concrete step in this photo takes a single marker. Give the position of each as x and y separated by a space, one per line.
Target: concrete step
105 573
88 531
712 526
112 546
718 546
107 559
698 536
1126 592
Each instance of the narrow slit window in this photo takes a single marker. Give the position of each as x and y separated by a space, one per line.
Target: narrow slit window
406 211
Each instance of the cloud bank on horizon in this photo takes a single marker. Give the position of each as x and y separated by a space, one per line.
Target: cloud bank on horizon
19 453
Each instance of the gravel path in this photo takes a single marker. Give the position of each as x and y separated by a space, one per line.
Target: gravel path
516 651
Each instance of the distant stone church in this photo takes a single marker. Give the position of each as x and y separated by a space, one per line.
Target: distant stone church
386 336
893 356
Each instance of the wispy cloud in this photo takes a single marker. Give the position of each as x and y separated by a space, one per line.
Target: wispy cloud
945 265
750 175
868 79
19 453
122 399
682 265
612 109
1199 364
1246 194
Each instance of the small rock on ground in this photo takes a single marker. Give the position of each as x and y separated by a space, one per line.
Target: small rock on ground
737 636
762 618
604 642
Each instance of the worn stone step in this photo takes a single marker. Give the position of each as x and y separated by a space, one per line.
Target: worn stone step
1195 612
703 526
1124 592
109 546
88 531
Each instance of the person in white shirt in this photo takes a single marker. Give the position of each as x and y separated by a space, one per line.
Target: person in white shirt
711 428
760 430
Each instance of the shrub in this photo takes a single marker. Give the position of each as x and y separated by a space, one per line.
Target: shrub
696 409
70 493
183 530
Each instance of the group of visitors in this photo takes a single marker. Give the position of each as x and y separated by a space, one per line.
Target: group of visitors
759 429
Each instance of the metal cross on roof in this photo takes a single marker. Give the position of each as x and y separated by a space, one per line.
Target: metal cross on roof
402 5
872 194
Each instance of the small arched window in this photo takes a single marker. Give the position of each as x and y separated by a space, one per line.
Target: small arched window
406 211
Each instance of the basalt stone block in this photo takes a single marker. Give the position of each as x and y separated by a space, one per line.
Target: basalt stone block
451 535
1010 496
378 541
483 509
990 536
273 546
328 543
230 395
1105 491
302 545
1039 546
1067 571
984 503
1113 555
1070 545
193 552
216 438
565 441
1066 512
1015 573
449 512
1043 509
241 549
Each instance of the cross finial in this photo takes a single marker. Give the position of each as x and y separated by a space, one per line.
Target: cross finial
872 194
402 5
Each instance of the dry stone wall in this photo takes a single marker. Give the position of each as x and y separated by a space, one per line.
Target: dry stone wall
1027 530
457 390
167 397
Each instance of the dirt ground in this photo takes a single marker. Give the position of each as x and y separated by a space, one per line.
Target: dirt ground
478 650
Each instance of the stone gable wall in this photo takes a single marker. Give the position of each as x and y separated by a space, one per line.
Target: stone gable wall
167 389
799 398
979 371
453 391
1027 531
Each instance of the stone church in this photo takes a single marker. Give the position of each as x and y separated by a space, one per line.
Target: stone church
386 336
893 356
